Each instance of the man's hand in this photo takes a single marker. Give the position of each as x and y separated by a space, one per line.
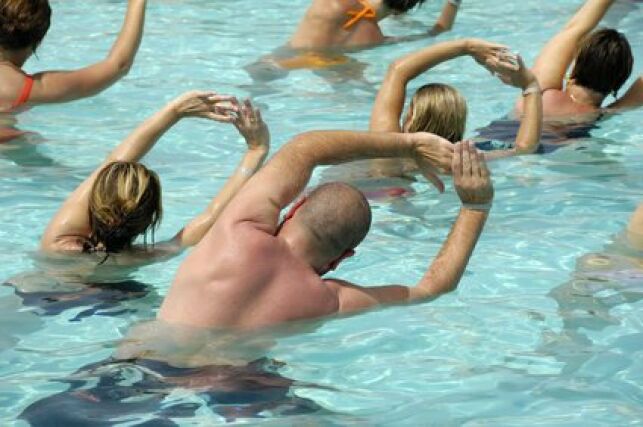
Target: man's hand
471 176
209 105
432 154
251 126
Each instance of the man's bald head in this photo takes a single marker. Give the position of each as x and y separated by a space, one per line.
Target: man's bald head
337 215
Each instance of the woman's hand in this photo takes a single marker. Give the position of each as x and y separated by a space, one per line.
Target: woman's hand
209 105
512 71
485 53
251 126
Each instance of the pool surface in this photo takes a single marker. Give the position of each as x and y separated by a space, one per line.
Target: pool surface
546 327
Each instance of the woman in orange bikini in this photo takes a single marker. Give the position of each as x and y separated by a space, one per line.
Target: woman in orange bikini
24 24
330 27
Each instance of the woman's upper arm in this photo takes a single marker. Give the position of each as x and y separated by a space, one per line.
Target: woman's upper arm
72 218
551 65
63 86
389 104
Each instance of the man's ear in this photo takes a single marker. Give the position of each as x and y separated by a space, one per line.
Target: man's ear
347 254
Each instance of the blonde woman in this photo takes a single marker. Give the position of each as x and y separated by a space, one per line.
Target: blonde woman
121 199
439 108
23 26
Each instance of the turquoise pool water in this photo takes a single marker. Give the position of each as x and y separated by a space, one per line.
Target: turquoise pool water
535 334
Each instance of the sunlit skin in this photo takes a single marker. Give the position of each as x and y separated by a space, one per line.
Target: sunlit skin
567 98
249 272
324 25
64 86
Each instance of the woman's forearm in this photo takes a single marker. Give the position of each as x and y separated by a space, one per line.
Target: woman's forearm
126 45
143 138
410 66
446 19
199 226
531 123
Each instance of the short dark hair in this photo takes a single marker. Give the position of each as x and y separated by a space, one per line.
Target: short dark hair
402 5
338 215
604 61
23 23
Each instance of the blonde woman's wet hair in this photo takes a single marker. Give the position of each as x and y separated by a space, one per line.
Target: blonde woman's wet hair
439 109
125 202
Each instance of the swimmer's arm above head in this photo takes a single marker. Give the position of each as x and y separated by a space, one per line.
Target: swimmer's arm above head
63 86
633 98
286 175
72 219
257 137
473 184
554 59
389 103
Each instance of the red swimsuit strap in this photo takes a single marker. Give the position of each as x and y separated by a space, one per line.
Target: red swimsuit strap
25 92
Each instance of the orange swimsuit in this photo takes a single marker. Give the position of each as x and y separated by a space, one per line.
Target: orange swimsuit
367 12
10 133
24 93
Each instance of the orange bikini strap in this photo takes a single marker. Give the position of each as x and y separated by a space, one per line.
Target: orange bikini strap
367 12
25 92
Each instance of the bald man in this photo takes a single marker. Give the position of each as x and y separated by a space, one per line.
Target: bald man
252 271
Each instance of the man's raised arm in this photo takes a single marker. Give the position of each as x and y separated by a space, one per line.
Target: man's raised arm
473 183
288 172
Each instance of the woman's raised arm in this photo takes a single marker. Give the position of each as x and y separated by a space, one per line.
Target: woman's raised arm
389 103
255 132
63 86
72 219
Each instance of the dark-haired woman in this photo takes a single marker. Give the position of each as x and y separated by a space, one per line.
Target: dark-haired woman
24 24
121 200
602 63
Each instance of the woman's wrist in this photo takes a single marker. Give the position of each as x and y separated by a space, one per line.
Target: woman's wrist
531 86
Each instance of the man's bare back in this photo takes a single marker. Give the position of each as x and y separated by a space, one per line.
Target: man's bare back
242 277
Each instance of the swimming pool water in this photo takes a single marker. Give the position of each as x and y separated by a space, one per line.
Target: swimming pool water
526 339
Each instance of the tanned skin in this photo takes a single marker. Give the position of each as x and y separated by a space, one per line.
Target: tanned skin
249 272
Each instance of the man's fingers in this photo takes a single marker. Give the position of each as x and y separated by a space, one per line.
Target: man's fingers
433 179
484 170
466 159
456 161
475 160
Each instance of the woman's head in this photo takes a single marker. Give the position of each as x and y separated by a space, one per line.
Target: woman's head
604 62
23 23
125 202
439 109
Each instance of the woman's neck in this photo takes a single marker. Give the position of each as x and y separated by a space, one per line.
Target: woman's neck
16 58
586 96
